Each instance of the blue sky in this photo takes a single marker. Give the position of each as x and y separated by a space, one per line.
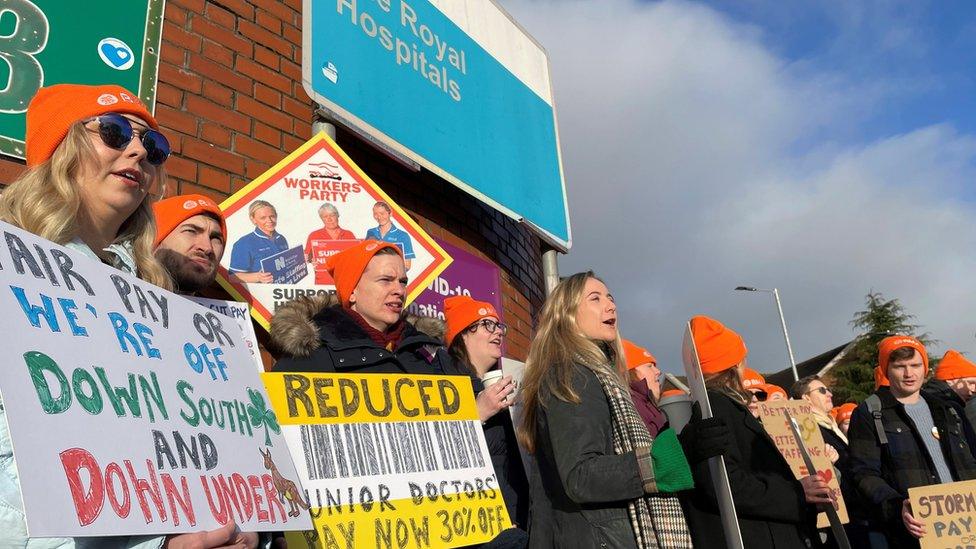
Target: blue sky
825 148
922 52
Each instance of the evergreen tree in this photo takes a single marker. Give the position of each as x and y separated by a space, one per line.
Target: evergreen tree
853 379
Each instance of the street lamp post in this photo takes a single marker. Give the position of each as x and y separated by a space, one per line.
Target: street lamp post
782 321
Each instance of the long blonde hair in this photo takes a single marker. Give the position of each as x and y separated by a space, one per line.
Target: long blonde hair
45 201
558 345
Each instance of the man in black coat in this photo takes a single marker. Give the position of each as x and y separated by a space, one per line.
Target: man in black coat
912 439
364 332
955 383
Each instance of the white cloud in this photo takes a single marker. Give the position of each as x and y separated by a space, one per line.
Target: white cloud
697 160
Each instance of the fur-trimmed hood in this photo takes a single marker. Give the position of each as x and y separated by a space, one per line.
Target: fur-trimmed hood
295 329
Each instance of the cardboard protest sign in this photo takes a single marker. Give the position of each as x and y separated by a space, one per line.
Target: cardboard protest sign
239 312
949 513
720 475
131 410
389 460
773 419
311 205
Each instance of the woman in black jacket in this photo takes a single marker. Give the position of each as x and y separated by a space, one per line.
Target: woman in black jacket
774 509
600 479
474 335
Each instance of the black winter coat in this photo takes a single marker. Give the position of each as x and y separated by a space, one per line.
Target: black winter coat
769 501
884 475
504 449
940 389
329 340
580 488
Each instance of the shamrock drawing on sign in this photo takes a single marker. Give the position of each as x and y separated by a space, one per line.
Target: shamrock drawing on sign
261 415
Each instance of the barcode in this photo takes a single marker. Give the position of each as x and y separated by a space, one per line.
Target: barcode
368 449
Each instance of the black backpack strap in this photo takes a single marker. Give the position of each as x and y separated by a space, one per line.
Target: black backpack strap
874 406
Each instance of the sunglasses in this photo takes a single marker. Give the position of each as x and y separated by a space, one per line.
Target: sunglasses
490 325
761 396
116 132
821 390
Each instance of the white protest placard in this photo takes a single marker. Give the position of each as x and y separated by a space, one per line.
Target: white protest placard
389 460
240 313
131 409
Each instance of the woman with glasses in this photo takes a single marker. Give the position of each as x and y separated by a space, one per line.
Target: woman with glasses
94 153
600 479
474 336
774 509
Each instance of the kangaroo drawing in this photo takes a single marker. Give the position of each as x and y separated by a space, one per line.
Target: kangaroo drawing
287 490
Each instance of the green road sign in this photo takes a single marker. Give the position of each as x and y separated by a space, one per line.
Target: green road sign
45 42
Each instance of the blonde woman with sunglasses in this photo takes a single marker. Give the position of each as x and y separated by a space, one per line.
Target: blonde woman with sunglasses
94 153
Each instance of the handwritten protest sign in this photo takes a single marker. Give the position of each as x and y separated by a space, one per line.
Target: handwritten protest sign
131 410
321 202
239 312
389 460
949 513
773 419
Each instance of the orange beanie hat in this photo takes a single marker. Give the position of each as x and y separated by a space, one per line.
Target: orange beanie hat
719 348
880 378
843 412
347 266
177 209
774 389
954 366
54 109
462 311
751 378
672 392
636 356
885 349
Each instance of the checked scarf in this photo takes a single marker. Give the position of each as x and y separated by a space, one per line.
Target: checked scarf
657 519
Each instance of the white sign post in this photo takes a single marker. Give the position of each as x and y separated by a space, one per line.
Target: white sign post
132 410
716 465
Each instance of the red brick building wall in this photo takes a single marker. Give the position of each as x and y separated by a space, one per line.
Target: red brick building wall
231 102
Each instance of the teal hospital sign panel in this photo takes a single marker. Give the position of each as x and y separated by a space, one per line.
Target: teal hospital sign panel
45 42
459 99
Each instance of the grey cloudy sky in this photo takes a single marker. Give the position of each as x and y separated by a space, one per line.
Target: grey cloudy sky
698 157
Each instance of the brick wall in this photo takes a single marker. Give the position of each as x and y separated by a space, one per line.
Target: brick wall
231 102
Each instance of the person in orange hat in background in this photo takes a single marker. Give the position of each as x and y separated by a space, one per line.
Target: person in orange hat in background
94 154
361 329
190 238
842 415
645 385
955 378
900 438
774 509
474 338
755 384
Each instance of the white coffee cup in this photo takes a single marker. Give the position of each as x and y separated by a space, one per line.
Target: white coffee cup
492 377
